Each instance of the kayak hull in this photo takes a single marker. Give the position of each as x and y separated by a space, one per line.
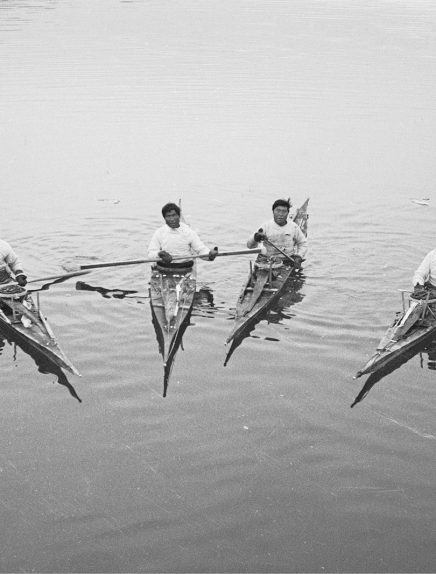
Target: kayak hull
390 351
24 320
264 287
171 301
269 295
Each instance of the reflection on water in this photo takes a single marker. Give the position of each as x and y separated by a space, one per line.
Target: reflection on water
276 313
45 366
105 292
47 282
228 104
203 306
424 348
176 343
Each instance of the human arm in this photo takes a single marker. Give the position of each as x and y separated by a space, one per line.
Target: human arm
155 250
199 248
14 264
256 238
300 244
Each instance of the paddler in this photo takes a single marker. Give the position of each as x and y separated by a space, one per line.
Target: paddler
424 278
10 266
175 239
283 233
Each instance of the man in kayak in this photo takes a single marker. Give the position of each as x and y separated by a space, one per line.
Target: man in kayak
10 266
283 233
424 279
177 240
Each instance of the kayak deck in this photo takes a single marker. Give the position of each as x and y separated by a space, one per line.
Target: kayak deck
171 301
409 328
23 318
258 294
264 286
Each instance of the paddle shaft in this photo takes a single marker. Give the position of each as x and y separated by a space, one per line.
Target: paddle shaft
54 277
139 261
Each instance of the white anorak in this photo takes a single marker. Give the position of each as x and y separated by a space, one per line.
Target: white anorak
180 242
289 238
8 262
426 272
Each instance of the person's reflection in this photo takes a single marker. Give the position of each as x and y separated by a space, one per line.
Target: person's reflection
43 363
428 348
204 304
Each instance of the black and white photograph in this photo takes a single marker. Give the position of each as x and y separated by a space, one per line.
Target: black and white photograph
218 286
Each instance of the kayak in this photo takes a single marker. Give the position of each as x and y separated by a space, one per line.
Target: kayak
410 327
264 287
23 318
172 293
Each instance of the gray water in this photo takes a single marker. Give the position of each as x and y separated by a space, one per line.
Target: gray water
109 109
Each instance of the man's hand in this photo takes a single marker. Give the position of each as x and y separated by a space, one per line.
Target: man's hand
21 279
259 236
165 256
213 253
298 260
419 291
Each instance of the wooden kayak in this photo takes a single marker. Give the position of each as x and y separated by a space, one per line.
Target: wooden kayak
23 318
260 291
410 327
172 295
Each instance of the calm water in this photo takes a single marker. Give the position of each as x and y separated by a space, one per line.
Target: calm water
110 108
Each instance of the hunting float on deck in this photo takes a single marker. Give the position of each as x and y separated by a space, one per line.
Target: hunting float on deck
264 286
411 326
24 319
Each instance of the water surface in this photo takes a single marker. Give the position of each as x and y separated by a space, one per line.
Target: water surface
108 110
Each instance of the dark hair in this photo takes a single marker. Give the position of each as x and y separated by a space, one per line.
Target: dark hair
282 203
170 207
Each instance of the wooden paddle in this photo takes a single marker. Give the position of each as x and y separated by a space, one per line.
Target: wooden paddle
56 277
75 267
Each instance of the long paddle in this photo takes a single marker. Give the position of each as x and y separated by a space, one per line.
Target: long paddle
76 267
55 277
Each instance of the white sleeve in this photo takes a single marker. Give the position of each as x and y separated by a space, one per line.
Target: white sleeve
154 246
422 273
12 260
197 245
300 242
251 242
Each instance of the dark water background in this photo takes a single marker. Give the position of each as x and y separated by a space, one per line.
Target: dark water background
108 110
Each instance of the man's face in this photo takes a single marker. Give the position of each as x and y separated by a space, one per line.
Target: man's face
172 219
280 214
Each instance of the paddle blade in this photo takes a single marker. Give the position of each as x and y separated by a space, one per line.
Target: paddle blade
71 266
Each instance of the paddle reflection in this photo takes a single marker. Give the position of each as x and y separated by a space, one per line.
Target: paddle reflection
276 313
104 292
424 348
45 366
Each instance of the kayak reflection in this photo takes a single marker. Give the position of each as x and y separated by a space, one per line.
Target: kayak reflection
425 347
276 313
173 299
44 364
